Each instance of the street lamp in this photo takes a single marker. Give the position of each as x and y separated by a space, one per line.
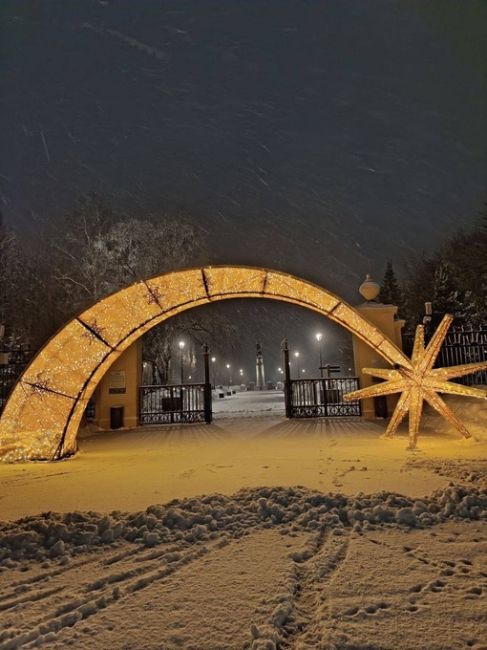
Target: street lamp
296 356
319 336
181 345
229 375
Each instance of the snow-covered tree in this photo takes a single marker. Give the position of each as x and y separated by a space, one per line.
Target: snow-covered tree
98 251
449 297
454 279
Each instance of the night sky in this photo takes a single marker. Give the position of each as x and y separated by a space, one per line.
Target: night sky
318 137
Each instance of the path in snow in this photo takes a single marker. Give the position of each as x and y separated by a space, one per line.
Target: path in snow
248 404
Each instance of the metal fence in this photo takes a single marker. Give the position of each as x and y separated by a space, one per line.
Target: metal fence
174 403
311 398
10 372
462 345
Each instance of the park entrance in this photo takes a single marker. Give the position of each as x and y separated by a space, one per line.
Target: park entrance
202 402
42 416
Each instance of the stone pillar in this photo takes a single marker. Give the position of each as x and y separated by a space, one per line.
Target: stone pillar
385 318
120 387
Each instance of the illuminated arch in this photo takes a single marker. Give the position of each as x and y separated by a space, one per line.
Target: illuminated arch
42 416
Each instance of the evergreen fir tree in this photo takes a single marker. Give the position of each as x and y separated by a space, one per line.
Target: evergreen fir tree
391 292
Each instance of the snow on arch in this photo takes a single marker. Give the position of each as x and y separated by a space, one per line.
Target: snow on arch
42 416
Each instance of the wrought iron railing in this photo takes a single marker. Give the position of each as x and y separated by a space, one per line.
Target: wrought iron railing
465 346
311 398
462 345
174 403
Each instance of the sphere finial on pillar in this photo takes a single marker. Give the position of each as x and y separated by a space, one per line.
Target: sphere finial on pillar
369 289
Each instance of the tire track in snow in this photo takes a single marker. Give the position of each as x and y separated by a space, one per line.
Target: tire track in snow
97 595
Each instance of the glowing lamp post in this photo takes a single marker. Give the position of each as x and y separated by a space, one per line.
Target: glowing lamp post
229 375
296 356
213 361
181 348
318 337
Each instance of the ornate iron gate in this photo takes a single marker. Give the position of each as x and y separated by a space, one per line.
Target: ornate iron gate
313 398
174 403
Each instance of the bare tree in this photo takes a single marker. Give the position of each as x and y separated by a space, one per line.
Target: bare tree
91 253
100 251
6 242
12 276
197 327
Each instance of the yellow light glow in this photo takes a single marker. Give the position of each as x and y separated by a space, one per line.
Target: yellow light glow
42 416
422 382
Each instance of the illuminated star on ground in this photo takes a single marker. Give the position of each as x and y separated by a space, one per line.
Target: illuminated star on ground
422 382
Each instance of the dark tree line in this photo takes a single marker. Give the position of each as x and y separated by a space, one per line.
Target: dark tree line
89 253
453 279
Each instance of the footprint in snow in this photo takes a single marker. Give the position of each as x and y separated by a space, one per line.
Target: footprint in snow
474 591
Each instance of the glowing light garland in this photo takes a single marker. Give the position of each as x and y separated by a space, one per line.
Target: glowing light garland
42 416
421 382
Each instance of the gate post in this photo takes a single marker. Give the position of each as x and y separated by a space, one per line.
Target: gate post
287 380
207 387
385 318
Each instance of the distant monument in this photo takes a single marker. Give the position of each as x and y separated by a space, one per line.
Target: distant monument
259 367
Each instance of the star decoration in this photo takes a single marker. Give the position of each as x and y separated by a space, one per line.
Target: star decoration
421 381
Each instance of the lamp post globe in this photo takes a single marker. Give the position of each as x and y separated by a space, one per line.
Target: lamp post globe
319 337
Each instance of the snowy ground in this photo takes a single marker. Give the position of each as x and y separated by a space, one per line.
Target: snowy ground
251 565
248 403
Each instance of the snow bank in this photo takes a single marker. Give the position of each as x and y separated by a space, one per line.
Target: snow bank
55 537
